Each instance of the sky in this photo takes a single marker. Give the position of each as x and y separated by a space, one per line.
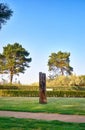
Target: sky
43 27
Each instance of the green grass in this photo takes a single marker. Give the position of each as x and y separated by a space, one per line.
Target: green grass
54 105
30 124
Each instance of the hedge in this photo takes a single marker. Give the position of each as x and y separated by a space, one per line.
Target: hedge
24 93
21 87
8 86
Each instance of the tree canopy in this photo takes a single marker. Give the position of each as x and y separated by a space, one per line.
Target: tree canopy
59 64
14 60
5 13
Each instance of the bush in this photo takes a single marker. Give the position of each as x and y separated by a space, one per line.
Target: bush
66 81
8 86
18 93
19 86
24 93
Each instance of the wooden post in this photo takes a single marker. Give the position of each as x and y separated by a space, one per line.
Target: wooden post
42 88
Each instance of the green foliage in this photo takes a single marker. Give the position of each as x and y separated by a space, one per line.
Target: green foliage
29 87
5 13
8 86
14 60
67 82
19 93
66 93
59 63
19 86
25 93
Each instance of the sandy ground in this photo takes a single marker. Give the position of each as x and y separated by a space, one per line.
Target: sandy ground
44 116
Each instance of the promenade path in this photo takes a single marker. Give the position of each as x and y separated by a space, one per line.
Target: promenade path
44 116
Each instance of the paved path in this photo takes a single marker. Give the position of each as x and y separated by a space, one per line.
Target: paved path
44 116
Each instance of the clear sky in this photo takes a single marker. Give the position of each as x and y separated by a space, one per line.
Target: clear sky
43 27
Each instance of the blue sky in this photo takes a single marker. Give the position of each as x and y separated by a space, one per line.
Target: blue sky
43 27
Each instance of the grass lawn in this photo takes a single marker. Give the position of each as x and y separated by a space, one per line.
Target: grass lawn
54 105
29 124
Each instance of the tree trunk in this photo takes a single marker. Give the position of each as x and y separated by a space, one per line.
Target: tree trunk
62 71
11 76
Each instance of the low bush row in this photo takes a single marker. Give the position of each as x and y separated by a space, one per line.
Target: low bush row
24 93
19 86
36 88
8 86
66 93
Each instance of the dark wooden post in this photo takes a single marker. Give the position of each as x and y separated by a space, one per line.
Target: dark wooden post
42 88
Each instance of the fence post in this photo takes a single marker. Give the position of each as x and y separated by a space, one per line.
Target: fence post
42 88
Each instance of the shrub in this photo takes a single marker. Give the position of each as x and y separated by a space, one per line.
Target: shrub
8 86
66 81
24 93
